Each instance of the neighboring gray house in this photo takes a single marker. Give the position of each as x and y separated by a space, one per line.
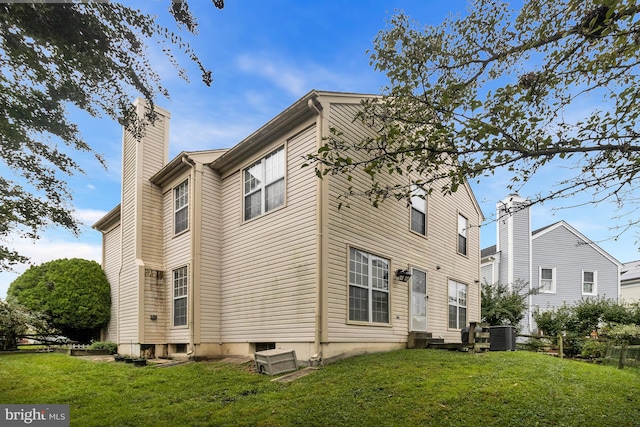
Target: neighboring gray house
630 282
564 264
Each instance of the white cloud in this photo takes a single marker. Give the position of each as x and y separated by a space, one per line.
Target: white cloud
297 77
283 75
89 217
193 135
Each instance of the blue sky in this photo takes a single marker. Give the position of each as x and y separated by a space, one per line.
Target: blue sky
264 55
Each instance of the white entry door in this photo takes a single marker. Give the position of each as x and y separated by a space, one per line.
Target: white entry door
418 297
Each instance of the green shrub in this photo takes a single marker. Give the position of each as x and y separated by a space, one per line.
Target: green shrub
629 333
111 347
555 321
572 344
505 305
72 295
593 349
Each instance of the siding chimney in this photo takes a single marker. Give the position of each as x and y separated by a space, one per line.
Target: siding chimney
141 220
513 239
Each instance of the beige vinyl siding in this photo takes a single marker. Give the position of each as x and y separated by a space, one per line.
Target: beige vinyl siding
155 296
111 265
177 251
209 300
141 220
269 263
151 218
128 307
385 232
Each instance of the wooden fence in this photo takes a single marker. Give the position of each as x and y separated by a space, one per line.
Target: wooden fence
623 355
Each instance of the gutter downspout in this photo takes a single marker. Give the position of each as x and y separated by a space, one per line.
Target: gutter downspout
119 282
195 267
321 333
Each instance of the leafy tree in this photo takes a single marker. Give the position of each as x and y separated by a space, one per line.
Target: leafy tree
13 326
628 332
592 313
576 322
17 322
92 56
505 305
503 90
72 294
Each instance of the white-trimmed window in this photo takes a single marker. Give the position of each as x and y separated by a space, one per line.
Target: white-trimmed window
368 287
547 280
589 282
418 210
180 286
463 225
264 184
181 207
457 305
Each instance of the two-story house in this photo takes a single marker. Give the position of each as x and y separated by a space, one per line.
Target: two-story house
563 264
226 252
630 282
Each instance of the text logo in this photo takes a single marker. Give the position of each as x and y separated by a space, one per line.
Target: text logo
34 415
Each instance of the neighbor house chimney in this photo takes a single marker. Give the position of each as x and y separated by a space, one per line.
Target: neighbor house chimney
513 239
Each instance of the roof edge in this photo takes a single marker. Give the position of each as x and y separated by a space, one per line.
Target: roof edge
563 223
109 220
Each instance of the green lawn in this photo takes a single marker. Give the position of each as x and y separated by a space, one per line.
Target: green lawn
408 387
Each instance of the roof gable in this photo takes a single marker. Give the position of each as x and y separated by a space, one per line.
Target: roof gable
303 109
562 224
491 250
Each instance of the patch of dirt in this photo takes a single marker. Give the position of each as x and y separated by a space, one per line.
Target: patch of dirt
295 375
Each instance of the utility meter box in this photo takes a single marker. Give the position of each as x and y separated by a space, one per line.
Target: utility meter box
278 361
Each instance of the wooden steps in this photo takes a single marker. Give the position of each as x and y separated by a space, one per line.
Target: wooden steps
422 340
476 341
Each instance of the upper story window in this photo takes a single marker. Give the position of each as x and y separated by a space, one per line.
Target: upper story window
181 207
418 210
180 282
589 282
264 185
547 280
368 287
463 225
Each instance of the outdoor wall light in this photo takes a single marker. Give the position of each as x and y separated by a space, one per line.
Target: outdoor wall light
403 275
154 317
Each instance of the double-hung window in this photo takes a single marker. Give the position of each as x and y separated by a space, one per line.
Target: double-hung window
418 210
463 225
264 185
368 287
181 207
547 280
180 282
589 282
457 305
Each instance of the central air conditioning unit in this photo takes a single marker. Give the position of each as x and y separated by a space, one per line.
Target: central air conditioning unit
503 338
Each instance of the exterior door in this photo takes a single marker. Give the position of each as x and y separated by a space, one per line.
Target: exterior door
418 297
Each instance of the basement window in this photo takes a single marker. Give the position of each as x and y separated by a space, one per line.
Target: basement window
262 346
